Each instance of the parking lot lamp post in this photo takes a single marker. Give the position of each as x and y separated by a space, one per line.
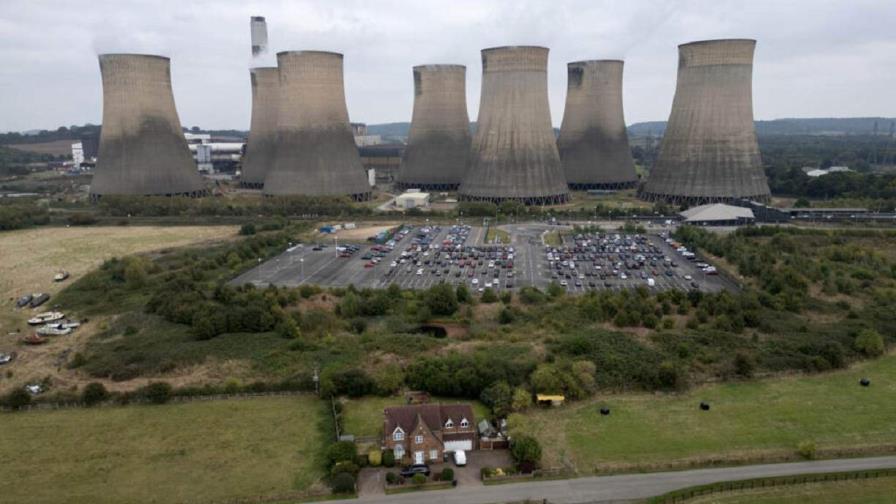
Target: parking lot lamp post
302 264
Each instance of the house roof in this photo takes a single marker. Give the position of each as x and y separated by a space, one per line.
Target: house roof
716 212
434 415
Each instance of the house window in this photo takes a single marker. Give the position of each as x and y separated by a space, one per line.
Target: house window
418 439
398 452
433 454
398 435
464 423
449 424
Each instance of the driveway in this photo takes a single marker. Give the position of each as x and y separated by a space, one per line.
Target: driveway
620 488
371 479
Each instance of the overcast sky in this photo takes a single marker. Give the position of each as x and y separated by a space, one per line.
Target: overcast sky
814 58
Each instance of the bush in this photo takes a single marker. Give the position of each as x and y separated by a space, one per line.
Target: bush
419 479
486 472
391 478
441 299
247 229
341 451
157 392
870 343
345 467
506 316
447 474
17 399
374 457
388 458
489 296
744 365
81 219
526 452
94 393
343 483
806 449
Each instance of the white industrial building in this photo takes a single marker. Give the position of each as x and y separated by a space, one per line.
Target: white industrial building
718 214
412 198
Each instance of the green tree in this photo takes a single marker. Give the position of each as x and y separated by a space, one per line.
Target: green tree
388 379
870 343
341 451
441 300
462 293
547 379
555 290
343 483
584 372
499 397
17 398
489 296
526 452
522 400
157 392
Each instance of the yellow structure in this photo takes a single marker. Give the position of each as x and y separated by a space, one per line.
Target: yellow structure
554 399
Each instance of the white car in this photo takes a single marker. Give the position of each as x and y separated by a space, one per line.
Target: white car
420 271
475 281
688 277
460 458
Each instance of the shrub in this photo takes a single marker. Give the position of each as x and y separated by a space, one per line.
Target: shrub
388 458
486 472
506 297
419 479
489 296
247 229
441 299
744 365
806 449
81 219
94 393
522 400
526 452
345 467
374 457
343 483
391 478
506 316
157 392
870 342
17 399
448 474
341 451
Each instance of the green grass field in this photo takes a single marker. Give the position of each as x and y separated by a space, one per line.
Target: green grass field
499 235
364 416
746 419
190 452
873 491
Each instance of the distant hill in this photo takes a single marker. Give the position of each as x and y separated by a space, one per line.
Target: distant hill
809 126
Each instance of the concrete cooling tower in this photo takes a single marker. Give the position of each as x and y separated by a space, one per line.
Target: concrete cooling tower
262 140
142 147
593 143
709 152
439 140
514 151
316 153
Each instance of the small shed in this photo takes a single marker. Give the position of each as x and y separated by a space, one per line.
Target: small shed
550 399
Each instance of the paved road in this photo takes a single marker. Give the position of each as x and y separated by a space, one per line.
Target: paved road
620 488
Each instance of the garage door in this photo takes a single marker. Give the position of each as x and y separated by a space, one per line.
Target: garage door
465 445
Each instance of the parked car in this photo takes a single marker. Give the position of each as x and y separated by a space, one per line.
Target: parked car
410 471
460 458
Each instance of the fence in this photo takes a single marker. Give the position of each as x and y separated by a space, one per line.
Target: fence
685 494
174 399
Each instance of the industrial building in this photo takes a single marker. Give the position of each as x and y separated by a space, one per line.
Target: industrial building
514 152
262 140
316 153
142 147
709 152
718 214
412 198
593 142
439 140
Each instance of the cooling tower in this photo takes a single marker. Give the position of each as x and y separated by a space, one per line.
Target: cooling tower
593 143
316 153
439 140
514 151
142 147
263 128
709 152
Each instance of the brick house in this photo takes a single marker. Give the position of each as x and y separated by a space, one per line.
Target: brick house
422 433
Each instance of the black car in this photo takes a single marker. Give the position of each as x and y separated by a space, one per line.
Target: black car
411 470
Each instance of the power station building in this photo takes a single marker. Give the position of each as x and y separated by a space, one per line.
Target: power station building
593 143
262 142
316 153
142 147
439 139
709 152
514 152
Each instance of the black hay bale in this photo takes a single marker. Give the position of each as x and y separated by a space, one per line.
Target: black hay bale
605 411
865 382
704 405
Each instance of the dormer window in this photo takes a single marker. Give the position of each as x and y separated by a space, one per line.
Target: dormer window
464 423
398 435
449 424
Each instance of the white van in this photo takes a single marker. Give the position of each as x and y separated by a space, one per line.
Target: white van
460 458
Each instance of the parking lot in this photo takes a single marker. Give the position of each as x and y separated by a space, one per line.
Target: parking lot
420 257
